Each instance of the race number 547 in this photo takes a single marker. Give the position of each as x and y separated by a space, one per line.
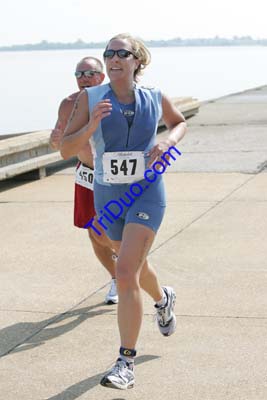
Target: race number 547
127 167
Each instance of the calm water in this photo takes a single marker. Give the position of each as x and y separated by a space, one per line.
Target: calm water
33 83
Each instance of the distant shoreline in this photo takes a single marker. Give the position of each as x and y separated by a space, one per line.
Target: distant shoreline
177 42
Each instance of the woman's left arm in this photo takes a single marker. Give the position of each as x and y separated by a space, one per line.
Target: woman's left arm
176 125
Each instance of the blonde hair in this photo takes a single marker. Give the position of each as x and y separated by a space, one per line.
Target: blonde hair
139 49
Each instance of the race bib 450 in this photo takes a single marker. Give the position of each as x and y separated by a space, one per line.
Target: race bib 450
85 176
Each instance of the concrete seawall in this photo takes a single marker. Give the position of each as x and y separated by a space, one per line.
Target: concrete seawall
57 338
28 152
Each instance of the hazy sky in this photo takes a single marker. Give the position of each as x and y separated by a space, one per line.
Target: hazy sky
30 21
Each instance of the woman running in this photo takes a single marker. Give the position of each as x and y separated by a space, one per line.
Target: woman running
120 119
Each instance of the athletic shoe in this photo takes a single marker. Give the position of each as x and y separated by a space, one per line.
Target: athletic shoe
121 376
165 316
112 295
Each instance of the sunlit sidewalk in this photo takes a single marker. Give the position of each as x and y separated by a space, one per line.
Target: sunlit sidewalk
57 336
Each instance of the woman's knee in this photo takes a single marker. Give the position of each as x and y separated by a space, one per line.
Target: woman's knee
126 278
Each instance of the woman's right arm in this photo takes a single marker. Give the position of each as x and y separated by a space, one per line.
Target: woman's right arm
81 126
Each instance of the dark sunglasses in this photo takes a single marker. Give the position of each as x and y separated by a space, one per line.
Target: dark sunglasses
122 53
87 74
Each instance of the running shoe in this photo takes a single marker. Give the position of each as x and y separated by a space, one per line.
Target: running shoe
112 295
121 376
165 316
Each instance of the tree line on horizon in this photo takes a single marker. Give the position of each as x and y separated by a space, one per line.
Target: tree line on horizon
176 42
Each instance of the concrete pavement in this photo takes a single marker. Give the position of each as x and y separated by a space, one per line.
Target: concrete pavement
57 338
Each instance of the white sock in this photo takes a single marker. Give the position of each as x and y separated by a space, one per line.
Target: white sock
163 300
129 360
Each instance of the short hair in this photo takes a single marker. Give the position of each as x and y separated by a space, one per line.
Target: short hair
99 63
139 50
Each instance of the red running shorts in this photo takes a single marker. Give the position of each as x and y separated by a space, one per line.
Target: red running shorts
84 208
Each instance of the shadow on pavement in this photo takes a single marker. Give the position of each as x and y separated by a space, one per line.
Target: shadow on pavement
78 389
27 335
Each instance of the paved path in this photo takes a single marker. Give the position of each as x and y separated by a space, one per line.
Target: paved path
57 337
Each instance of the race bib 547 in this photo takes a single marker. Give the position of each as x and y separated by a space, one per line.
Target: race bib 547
123 166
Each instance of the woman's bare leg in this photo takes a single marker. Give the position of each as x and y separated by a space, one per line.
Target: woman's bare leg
133 249
149 282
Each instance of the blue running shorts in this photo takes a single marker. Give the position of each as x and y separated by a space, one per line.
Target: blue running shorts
139 202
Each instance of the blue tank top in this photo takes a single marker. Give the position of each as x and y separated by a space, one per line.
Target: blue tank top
128 110
115 134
